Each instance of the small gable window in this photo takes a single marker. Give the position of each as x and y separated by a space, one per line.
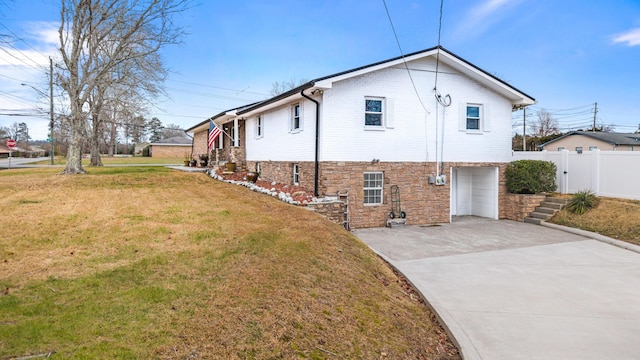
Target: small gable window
473 117
373 111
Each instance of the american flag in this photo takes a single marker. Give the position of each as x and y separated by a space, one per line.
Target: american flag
214 132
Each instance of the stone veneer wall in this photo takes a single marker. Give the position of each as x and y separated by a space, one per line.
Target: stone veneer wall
424 203
334 211
519 206
282 172
199 144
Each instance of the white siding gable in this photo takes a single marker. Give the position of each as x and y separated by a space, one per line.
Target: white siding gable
411 133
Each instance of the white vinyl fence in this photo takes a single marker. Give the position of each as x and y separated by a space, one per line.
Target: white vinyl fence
606 173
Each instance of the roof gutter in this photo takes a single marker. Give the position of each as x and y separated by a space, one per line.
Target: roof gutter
317 163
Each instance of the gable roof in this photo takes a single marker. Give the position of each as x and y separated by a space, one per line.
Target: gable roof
517 97
176 140
615 139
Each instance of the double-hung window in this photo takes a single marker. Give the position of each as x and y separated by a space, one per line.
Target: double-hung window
373 112
296 118
373 182
474 117
259 127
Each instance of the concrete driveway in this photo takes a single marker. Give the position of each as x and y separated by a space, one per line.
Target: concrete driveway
510 290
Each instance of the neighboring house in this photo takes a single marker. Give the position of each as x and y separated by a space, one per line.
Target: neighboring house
364 130
4 151
588 140
141 149
176 146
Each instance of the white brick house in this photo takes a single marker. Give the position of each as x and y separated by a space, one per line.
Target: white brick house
366 129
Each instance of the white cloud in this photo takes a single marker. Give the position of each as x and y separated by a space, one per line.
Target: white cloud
479 18
26 60
631 37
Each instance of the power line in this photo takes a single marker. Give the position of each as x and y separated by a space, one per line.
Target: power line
415 89
22 40
218 87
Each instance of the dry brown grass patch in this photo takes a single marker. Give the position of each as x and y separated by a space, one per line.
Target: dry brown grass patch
205 268
616 218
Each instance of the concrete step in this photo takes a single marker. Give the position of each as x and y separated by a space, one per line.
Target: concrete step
531 220
557 200
396 222
538 215
552 205
545 210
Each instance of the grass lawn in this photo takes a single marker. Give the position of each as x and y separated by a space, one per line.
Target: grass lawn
119 160
147 262
616 218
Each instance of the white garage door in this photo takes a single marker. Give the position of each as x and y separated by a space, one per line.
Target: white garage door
474 191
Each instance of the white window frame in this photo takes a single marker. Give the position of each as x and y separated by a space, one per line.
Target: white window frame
259 127
479 118
560 148
296 174
593 147
382 113
294 117
378 186
232 130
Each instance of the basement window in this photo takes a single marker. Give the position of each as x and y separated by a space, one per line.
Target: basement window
296 174
373 182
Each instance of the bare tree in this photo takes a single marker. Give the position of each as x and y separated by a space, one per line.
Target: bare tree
278 88
97 36
543 125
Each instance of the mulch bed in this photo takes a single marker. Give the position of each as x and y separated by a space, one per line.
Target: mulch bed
297 193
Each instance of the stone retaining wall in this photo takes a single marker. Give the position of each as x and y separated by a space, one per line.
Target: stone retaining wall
519 206
334 211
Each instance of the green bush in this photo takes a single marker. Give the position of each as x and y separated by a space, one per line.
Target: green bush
582 201
531 177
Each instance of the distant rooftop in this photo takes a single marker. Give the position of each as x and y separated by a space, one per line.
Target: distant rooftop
176 140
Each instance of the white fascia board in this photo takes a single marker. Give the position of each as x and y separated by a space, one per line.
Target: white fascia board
516 97
328 83
274 105
227 117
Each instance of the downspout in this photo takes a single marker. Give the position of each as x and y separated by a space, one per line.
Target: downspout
317 163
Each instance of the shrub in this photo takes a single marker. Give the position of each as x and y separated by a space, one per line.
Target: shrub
582 201
531 177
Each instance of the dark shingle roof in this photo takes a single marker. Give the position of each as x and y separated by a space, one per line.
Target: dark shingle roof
609 137
176 140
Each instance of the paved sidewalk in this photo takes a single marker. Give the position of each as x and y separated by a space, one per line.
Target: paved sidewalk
509 290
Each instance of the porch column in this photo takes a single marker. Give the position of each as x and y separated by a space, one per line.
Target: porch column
236 138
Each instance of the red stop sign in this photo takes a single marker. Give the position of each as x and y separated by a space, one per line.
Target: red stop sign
11 143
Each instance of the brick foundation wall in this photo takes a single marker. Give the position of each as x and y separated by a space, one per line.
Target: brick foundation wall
423 203
519 206
282 172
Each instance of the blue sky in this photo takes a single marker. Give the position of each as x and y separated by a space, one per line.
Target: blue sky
567 54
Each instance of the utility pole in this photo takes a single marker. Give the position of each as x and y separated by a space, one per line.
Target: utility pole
595 112
51 137
524 129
